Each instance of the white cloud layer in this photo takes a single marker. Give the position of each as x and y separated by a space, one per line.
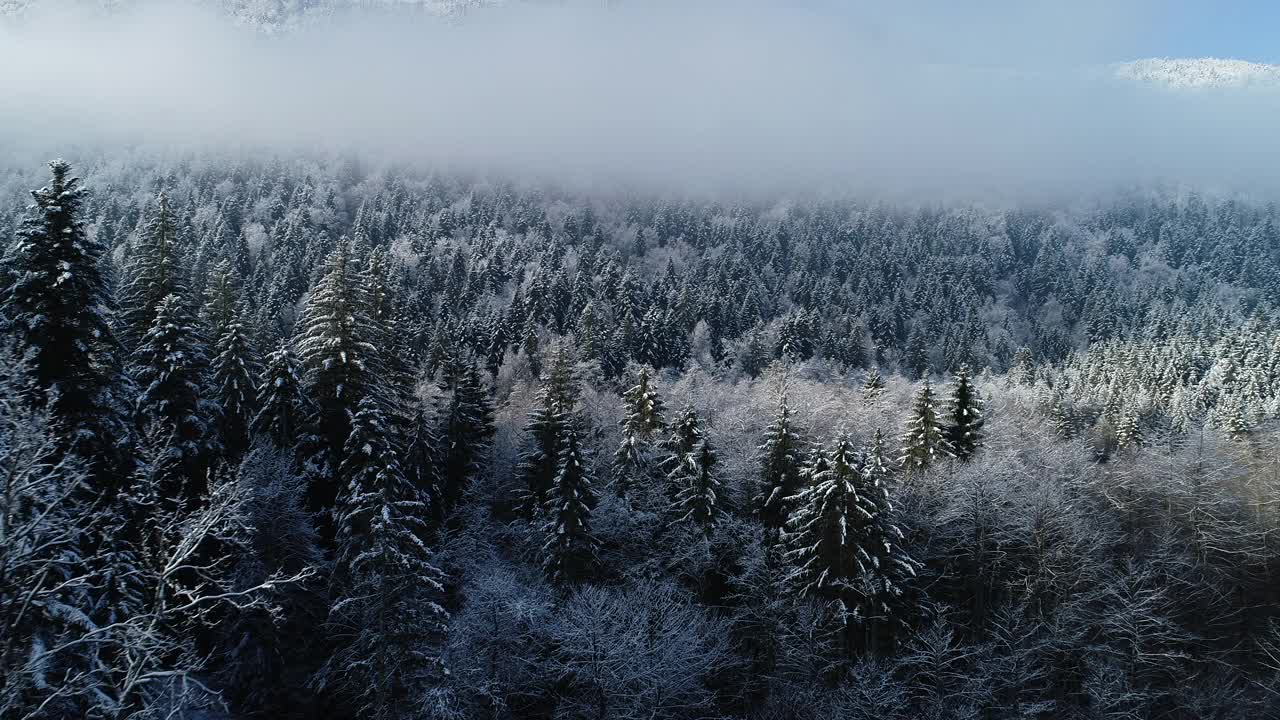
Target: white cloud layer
928 96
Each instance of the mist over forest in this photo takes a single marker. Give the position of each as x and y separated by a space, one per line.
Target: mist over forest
617 361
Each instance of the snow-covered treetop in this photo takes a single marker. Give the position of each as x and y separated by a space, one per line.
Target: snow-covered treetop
1200 73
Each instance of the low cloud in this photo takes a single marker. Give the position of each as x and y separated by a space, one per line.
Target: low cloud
926 97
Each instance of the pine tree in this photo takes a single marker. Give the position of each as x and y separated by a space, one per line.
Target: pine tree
463 434
754 357
236 370
546 429
923 442
154 272
569 552
171 370
781 462
55 305
642 420
698 500
340 367
843 545
964 429
683 437
872 385
222 305
1063 419
282 408
1022 371
1236 422
1129 433
386 614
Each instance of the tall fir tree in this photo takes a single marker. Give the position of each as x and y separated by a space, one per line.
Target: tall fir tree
340 367
923 442
642 421
55 305
154 271
872 385
844 546
569 551
965 418
546 429
386 617
683 436
171 369
462 435
236 369
283 409
782 457
699 494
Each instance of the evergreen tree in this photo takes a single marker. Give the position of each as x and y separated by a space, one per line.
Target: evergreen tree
55 305
754 356
223 304
171 370
569 552
153 272
872 385
546 429
340 367
683 437
282 408
1129 433
843 544
1063 419
1022 371
698 499
463 434
1236 422
236 369
642 419
923 442
386 617
781 462
964 429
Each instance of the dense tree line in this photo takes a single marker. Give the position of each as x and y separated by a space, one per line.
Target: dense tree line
300 438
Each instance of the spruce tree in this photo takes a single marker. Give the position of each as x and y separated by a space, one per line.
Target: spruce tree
546 429
569 552
642 420
964 429
153 272
386 616
698 498
844 546
872 385
171 370
55 305
754 356
283 410
1129 433
923 442
685 432
781 462
236 369
340 367
464 431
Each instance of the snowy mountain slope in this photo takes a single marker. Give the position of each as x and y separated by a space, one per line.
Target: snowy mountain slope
1200 73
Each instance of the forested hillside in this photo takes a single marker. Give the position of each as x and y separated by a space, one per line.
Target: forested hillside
310 437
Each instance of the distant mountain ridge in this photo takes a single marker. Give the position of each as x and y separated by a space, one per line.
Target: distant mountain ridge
1200 73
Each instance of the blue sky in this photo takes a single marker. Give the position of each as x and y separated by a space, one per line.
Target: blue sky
1244 29
1031 32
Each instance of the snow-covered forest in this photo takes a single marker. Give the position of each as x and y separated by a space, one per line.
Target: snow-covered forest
312 437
